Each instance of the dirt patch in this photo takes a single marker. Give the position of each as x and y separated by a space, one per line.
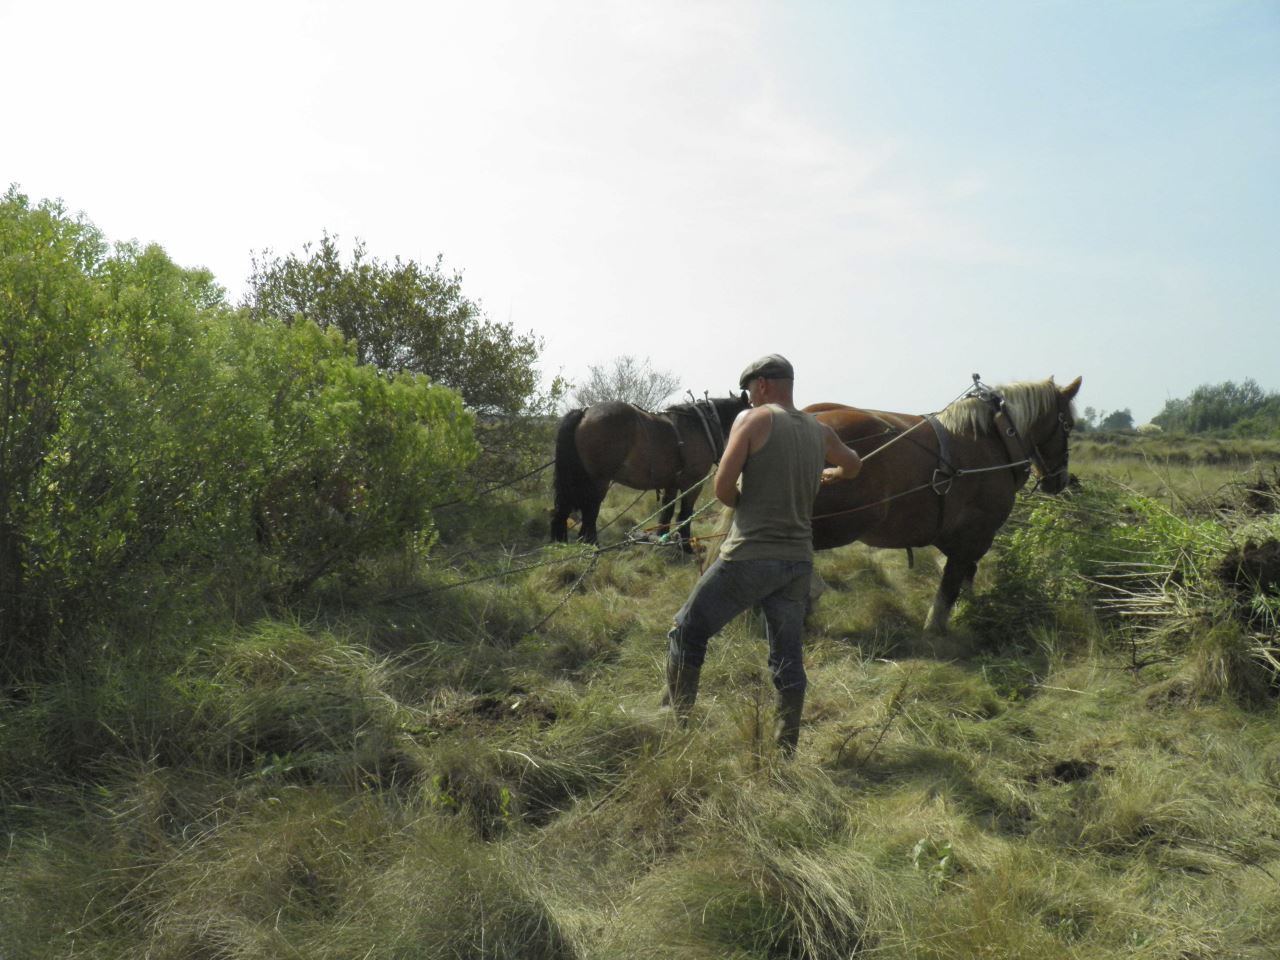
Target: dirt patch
1252 568
514 707
1262 494
1071 770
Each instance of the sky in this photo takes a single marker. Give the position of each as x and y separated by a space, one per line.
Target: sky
895 194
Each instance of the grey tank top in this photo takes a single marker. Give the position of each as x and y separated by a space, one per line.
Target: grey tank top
779 483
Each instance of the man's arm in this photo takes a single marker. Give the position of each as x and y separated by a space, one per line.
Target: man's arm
846 461
749 430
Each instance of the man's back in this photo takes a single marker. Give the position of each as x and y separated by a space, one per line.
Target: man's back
779 482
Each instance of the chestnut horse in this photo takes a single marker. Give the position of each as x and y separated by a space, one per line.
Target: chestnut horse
615 442
947 480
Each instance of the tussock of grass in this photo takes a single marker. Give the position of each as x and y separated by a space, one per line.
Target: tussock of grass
772 874
314 875
297 702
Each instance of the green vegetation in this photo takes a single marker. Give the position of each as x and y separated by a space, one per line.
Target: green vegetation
410 317
1188 472
1087 767
264 697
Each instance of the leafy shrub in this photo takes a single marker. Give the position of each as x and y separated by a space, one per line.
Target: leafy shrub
1054 553
151 429
1172 584
344 462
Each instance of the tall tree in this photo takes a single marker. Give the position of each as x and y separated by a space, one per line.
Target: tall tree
48 308
402 315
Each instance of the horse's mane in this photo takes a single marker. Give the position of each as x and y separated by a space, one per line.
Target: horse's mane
1025 402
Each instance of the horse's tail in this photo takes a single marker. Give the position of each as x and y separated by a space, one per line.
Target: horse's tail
572 482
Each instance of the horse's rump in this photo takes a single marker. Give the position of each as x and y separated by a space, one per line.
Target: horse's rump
572 482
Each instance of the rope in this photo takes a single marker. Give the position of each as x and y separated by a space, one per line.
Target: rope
619 515
665 539
896 496
923 486
670 503
594 552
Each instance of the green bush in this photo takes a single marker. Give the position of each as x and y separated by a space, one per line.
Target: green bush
1057 554
343 462
152 431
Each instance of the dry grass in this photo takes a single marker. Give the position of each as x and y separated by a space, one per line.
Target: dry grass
432 778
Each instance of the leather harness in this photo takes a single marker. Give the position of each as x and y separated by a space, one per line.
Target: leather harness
705 413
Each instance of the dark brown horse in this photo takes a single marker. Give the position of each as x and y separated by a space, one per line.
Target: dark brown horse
616 442
947 481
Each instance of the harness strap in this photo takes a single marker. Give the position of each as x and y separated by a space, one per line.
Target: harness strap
943 475
716 441
1014 446
945 471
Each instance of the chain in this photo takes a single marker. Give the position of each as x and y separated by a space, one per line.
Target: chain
595 558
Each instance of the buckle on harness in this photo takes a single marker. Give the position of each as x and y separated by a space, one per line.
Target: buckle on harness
941 482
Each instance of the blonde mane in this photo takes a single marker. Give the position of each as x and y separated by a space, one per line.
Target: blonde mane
1025 402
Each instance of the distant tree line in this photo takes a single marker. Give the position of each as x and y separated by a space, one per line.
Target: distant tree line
1225 409
1237 409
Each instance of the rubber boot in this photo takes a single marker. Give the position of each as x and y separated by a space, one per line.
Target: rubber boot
790 707
682 688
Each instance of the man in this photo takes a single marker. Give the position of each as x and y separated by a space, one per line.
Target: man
779 453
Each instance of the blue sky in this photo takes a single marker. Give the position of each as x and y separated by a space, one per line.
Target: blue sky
894 194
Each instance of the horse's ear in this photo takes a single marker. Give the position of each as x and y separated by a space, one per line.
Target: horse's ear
1072 388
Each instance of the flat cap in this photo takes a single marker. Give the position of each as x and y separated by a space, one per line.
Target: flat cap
773 367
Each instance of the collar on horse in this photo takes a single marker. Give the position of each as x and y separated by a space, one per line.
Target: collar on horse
1022 453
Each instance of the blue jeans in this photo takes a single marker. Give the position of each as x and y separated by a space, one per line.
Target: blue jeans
780 587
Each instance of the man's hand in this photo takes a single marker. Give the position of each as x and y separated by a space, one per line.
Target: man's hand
846 460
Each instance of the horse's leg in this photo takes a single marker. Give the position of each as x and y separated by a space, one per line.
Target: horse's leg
590 514
668 509
559 526
956 574
684 532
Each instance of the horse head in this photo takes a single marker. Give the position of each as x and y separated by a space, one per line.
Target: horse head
1047 439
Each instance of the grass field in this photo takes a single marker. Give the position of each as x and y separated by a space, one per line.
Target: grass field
1181 470
1088 766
